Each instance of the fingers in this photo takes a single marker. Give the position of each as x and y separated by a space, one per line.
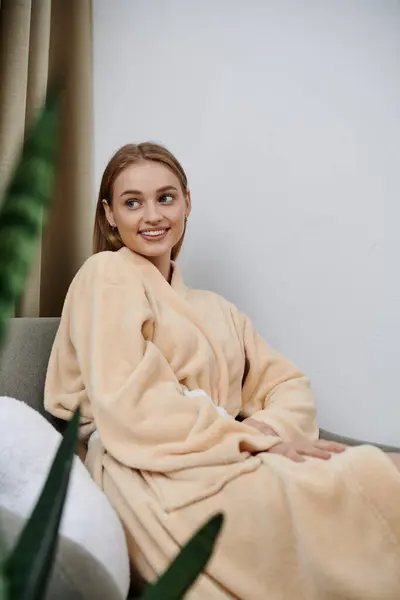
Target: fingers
315 452
322 449
296 452
295 457
334 447
287 451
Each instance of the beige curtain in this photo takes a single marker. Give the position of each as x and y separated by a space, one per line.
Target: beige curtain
41 40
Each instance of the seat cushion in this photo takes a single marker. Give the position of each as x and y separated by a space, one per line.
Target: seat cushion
77 575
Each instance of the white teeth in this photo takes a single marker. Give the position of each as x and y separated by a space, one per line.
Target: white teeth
154 233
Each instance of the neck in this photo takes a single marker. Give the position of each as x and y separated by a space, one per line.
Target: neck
163 264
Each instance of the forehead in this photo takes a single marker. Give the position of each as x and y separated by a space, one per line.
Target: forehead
145 177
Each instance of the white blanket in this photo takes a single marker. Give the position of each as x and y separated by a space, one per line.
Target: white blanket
28 444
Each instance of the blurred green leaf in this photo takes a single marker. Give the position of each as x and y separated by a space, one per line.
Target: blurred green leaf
29 566
24 207
3 586
184 570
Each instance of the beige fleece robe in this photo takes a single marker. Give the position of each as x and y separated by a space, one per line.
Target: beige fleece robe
128 347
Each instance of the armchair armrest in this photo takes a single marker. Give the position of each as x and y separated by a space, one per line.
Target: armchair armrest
327 435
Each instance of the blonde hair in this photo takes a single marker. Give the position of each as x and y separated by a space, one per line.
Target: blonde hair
104 237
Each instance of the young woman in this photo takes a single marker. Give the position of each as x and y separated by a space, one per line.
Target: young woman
162 371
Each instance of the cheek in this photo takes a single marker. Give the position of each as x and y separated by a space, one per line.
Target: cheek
126 219
178 227
177 216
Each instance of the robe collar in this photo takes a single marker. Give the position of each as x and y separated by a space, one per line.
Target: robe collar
177 282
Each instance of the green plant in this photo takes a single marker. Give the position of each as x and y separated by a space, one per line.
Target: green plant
192 559
3 587
27 569
24 207
23 210
24 574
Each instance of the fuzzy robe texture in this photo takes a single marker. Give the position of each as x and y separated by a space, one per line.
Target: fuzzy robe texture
128 346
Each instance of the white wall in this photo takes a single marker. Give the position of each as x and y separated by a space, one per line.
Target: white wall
286 116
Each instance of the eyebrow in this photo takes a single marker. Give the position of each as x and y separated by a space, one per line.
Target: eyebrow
165 188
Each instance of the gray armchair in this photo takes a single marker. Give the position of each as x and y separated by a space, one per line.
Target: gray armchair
23 363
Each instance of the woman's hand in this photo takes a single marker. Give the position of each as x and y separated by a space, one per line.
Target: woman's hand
263 427
300 448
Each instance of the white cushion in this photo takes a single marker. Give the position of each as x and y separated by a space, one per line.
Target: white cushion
28 444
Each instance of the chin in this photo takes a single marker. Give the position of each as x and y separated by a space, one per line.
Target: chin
152 252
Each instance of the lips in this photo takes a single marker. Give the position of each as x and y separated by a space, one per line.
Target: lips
154 234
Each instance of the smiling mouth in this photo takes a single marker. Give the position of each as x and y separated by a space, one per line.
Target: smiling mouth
154 234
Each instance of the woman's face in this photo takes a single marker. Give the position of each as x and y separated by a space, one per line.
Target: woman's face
149 208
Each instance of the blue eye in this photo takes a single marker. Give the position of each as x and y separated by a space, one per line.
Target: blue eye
131 203
166 198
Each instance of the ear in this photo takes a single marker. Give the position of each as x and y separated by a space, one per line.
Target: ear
109 213
188 204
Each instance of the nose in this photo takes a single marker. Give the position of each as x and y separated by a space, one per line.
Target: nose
152 213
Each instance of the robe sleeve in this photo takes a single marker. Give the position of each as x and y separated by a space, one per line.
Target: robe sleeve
274 390
104 358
